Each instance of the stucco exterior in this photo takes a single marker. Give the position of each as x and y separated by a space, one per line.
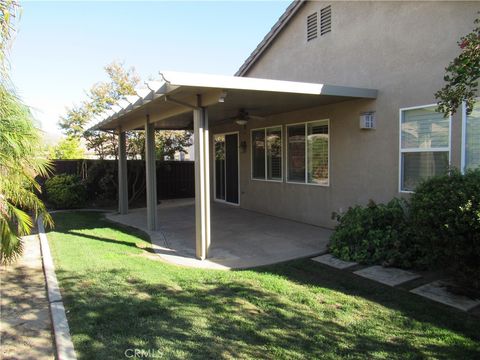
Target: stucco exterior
399 48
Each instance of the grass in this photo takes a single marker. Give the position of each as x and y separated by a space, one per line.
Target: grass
119 296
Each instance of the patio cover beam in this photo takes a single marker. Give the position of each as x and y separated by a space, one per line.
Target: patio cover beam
151 174
202 182
272 96
122 173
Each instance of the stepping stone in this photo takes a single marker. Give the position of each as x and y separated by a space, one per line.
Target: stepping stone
437 291
387 276
330 260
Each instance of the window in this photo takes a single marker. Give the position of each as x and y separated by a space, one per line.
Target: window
267 154
308 153
471 138
424 145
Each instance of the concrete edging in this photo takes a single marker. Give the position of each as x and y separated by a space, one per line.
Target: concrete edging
61 331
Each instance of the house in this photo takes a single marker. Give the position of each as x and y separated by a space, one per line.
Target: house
333 108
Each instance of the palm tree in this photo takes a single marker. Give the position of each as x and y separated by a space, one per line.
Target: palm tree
20 163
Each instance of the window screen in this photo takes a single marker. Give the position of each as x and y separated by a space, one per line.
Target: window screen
472 138
258 154
425 146
267 154
274 153
296 153
317 152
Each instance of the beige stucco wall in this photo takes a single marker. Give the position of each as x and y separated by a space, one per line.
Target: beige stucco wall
399 48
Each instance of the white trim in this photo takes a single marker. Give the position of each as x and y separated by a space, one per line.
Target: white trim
463 161
305 182
175 78
418 107
177 82
265 151
215 170
415 150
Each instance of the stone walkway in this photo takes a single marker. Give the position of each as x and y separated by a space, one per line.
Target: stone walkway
25 316
436 290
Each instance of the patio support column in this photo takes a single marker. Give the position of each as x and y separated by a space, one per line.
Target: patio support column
150 168
202 183
122 173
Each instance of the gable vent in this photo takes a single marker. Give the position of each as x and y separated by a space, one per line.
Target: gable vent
312 26
325 20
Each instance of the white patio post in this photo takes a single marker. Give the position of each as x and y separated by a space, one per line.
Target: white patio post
122 173
150 167
202 183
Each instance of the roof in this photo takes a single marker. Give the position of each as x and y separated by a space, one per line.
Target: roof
271 35
169 102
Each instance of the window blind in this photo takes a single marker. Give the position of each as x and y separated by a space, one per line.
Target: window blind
296 153
258 154
472 143
424 129
317 152
274 153
424 146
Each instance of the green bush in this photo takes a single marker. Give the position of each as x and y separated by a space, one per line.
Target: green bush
445 214
65 191
375 234
439 228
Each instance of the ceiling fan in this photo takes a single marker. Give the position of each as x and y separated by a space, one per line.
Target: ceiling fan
243 116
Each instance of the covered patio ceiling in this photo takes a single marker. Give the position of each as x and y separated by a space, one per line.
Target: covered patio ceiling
169 102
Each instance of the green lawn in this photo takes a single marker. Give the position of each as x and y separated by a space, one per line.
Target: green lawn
119 296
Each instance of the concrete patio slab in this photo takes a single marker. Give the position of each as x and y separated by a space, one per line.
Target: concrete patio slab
438 291
240 238
387 276
330 260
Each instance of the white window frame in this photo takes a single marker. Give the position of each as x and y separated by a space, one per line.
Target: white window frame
266 162
306 154
414 150
464 135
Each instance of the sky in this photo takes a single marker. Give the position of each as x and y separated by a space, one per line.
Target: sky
60 48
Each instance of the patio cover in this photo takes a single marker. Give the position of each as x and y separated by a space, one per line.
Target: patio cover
197 101
169 102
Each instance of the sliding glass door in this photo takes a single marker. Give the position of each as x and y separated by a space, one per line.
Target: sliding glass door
226 168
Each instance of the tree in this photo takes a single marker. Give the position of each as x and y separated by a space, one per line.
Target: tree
68 148
102 96
9 10
462 75
74 121
19 165
171 141
19 160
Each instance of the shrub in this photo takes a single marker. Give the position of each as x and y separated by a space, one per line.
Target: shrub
101 181
376 233
65 191
445 214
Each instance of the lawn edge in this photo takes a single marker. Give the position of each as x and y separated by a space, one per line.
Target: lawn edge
61 331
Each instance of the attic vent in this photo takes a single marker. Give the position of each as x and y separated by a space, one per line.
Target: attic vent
325 20
312 26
